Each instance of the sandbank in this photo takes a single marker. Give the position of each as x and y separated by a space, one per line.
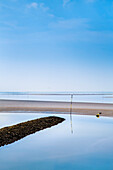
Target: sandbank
55 106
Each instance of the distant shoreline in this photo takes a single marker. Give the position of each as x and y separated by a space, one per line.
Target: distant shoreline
81 108
56 94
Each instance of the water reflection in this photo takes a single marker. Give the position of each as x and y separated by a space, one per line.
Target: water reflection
71 113
16 132
89 148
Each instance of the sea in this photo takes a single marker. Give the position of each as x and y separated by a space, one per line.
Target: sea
91 97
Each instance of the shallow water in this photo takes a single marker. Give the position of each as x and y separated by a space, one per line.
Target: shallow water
90 147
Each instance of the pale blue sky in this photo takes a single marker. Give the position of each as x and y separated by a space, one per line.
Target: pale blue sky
58 45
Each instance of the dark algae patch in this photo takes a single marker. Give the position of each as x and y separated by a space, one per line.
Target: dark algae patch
13 133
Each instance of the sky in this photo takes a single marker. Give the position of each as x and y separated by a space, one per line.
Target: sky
58 45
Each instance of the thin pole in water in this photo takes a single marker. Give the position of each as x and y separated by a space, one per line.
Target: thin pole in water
71 113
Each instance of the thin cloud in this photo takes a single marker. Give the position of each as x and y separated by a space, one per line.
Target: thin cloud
51 15
82 23
65 2
43 7
32 5
38 6
6 6
90 1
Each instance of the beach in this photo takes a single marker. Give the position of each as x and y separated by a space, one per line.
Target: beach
81 108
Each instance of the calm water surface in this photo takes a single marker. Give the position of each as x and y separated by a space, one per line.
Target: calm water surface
107 97
90 147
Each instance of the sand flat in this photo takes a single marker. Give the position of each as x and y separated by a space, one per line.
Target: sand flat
77 107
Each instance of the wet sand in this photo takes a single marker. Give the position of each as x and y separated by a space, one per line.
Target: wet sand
52 106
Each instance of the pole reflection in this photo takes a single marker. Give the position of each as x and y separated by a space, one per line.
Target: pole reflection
71 113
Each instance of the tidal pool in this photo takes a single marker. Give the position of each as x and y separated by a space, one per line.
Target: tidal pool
89 147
